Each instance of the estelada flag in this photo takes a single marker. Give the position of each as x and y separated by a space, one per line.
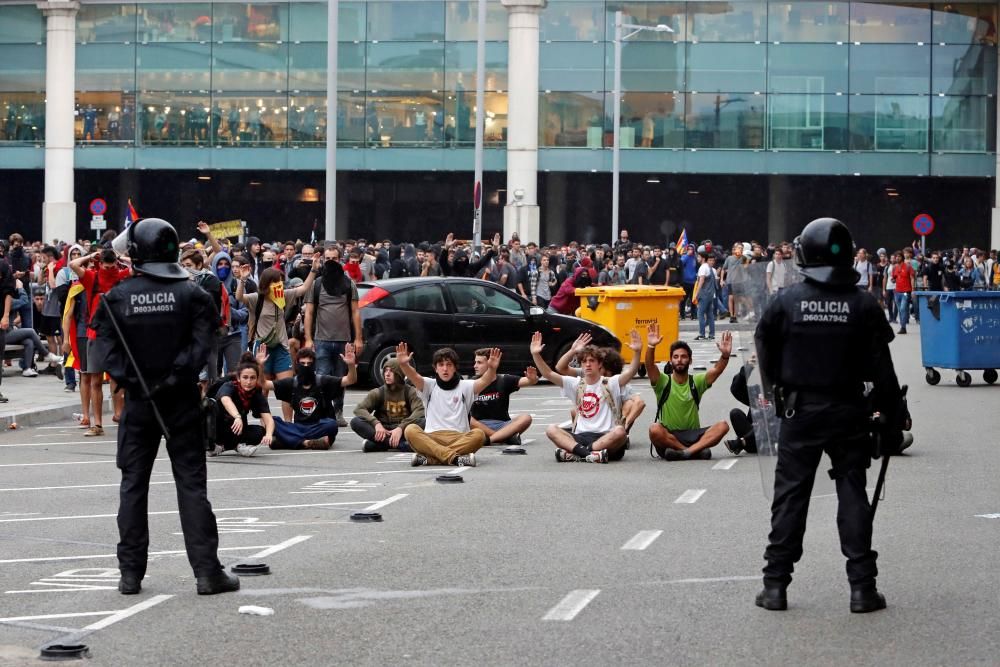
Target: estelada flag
130 215
682 241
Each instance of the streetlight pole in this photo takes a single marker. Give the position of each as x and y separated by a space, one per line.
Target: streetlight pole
477 188
332 37
617 111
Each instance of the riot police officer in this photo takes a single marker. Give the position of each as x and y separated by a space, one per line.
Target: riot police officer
818 343
155 331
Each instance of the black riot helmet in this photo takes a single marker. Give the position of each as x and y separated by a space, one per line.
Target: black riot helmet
153 247
824 252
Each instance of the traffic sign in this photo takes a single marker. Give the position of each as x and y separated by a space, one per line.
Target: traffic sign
98 206
98 223
923 224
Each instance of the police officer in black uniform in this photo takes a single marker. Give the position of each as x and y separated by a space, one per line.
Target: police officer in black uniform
818 343
168 324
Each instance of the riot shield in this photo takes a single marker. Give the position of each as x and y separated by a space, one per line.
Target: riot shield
753 289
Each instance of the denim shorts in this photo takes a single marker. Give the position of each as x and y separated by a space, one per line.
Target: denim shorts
278 360
494 424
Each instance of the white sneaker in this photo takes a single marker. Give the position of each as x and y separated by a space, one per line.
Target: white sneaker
246 450
53 358
29 373
215 451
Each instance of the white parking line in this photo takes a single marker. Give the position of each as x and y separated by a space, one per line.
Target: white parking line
291 542
382 503
571 605
725 464
642 540
52 559
81 463
70 442
45 617
125 613
690 496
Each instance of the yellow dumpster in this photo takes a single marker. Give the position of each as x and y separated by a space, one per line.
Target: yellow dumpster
622 308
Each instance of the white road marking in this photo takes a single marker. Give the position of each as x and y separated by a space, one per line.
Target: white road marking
988 516
49 559
125 613
229 479
690 496
291 542
102 461
642 540
44 617
571 605
214 509
725 464
382 503
70 442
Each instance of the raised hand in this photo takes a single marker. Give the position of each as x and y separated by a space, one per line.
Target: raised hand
537 345
582 341
634 340
653 337
203 227
348 355
725 345
494 360
496 241
449 240
261 355
403 354
532 374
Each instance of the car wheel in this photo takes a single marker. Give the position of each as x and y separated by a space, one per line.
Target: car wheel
377 366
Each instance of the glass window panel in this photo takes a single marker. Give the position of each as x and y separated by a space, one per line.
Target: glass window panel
461 17
174 119
807 122
572 22
105 117
729 67
807 68
495 110
727 120
405 66
176 66
307 66
406 20
647 66
307 119
889 122
175 22
105 23
22 67
105 67
877 23
808 21
964 23
249 67
22 116
571 119
352 119
248 119
648 120
964 70
571 66
21 24
460 62
250 22
411 118
727 21
890 69
308 22
651 14
964 124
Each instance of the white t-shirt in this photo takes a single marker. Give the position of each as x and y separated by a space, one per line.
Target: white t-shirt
778 273
865 269
594 415
448 409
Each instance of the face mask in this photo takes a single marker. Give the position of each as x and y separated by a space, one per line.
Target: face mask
223 272
191 271
266 265
307 375
277 293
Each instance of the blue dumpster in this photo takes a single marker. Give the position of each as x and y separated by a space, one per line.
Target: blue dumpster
960 331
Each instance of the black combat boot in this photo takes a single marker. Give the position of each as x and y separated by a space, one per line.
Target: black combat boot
772 598
865 599
223 582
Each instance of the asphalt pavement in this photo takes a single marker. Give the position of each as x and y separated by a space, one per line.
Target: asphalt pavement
528 561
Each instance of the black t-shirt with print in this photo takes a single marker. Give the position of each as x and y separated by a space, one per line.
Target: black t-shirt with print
493 402
310 404
258 404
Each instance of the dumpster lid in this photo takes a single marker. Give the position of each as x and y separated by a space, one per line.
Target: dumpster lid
630 291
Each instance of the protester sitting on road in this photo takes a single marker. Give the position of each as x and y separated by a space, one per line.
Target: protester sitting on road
597 435
382 416
491 409
745 440
238 399
632 403
448 438
677 433
311 399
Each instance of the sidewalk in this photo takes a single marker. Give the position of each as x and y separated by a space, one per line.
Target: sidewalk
37 400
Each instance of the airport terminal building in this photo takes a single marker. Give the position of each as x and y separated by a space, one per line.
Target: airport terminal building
740 119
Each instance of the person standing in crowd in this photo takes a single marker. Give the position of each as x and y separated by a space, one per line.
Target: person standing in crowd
232 342
824 408
776 274
705 295
889 289
864 269
933 273
689 276
904 278
542 282
160 303
332 320
381 417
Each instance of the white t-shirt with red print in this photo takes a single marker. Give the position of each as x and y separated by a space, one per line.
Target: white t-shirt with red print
594 415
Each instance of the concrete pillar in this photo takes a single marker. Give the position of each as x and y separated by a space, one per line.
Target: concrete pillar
59 208
522 215
778 192
995 213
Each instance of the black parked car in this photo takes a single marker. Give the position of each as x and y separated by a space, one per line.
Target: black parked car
465 314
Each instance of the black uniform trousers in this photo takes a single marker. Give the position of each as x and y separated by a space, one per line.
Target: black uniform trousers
793 485
138 442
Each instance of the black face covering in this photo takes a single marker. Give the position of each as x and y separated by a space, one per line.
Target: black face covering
266 265
306 375
333 277
450 384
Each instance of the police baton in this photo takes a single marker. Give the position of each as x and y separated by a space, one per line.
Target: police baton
138 371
